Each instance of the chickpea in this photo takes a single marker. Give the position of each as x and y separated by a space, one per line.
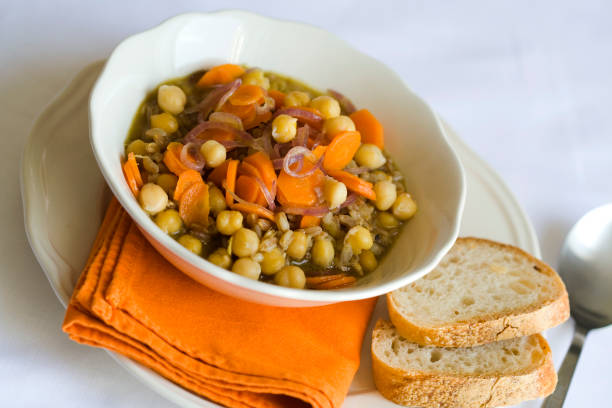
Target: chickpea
228 222
152 198
169 221
404 207
323 252
359 238
138 146
216 200
191 243
245 242
291 276
221 258
298 246
256 77
387 220
247 267
368 261
296 98
213 152
386 194
338 124
334 192
171 99
327 106
370 156
284 128
167 182
272 261
165 122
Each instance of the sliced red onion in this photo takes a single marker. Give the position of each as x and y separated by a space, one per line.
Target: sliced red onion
356 170
193 134
345 103
264 143
277 163
213 99
232 144
302 136
317 138
303 115
234 195
230 91
240 200
194 161
349 200
267 106
266 192
226 117
296 154
314 211
276 150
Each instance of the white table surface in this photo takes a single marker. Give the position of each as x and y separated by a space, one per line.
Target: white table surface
526 85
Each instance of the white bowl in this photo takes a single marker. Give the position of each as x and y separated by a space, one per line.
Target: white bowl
413 135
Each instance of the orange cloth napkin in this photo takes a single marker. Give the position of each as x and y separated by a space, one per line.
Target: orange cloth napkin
129 299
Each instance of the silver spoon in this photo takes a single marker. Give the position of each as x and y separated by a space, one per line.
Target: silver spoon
586 267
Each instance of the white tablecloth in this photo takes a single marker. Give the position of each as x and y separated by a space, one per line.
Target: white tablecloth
526 84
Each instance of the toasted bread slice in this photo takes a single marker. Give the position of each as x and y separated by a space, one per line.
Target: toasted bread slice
491 375
482 291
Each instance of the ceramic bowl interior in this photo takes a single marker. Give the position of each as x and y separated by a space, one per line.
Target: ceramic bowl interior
413 134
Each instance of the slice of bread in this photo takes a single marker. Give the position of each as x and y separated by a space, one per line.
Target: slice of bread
482 291
495 374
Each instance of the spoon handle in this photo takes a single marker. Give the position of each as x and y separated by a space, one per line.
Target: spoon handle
556 399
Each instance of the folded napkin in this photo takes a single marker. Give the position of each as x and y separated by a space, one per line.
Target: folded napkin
129 299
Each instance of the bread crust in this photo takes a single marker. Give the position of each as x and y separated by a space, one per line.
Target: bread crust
488 328
434 390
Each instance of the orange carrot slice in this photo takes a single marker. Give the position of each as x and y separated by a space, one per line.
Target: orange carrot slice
261 161
371 130
221 74
308 221
247 94
247 188
194 205
299 191
278 96
264 117
219 174
172 158
319 151
253 209
246 113
341 150
342 282
329 281
354 183
250 170
316 280
132 174
186 179
230 180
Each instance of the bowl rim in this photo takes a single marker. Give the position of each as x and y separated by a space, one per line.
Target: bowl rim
145 223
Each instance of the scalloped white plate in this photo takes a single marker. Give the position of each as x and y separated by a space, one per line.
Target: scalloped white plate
61 221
